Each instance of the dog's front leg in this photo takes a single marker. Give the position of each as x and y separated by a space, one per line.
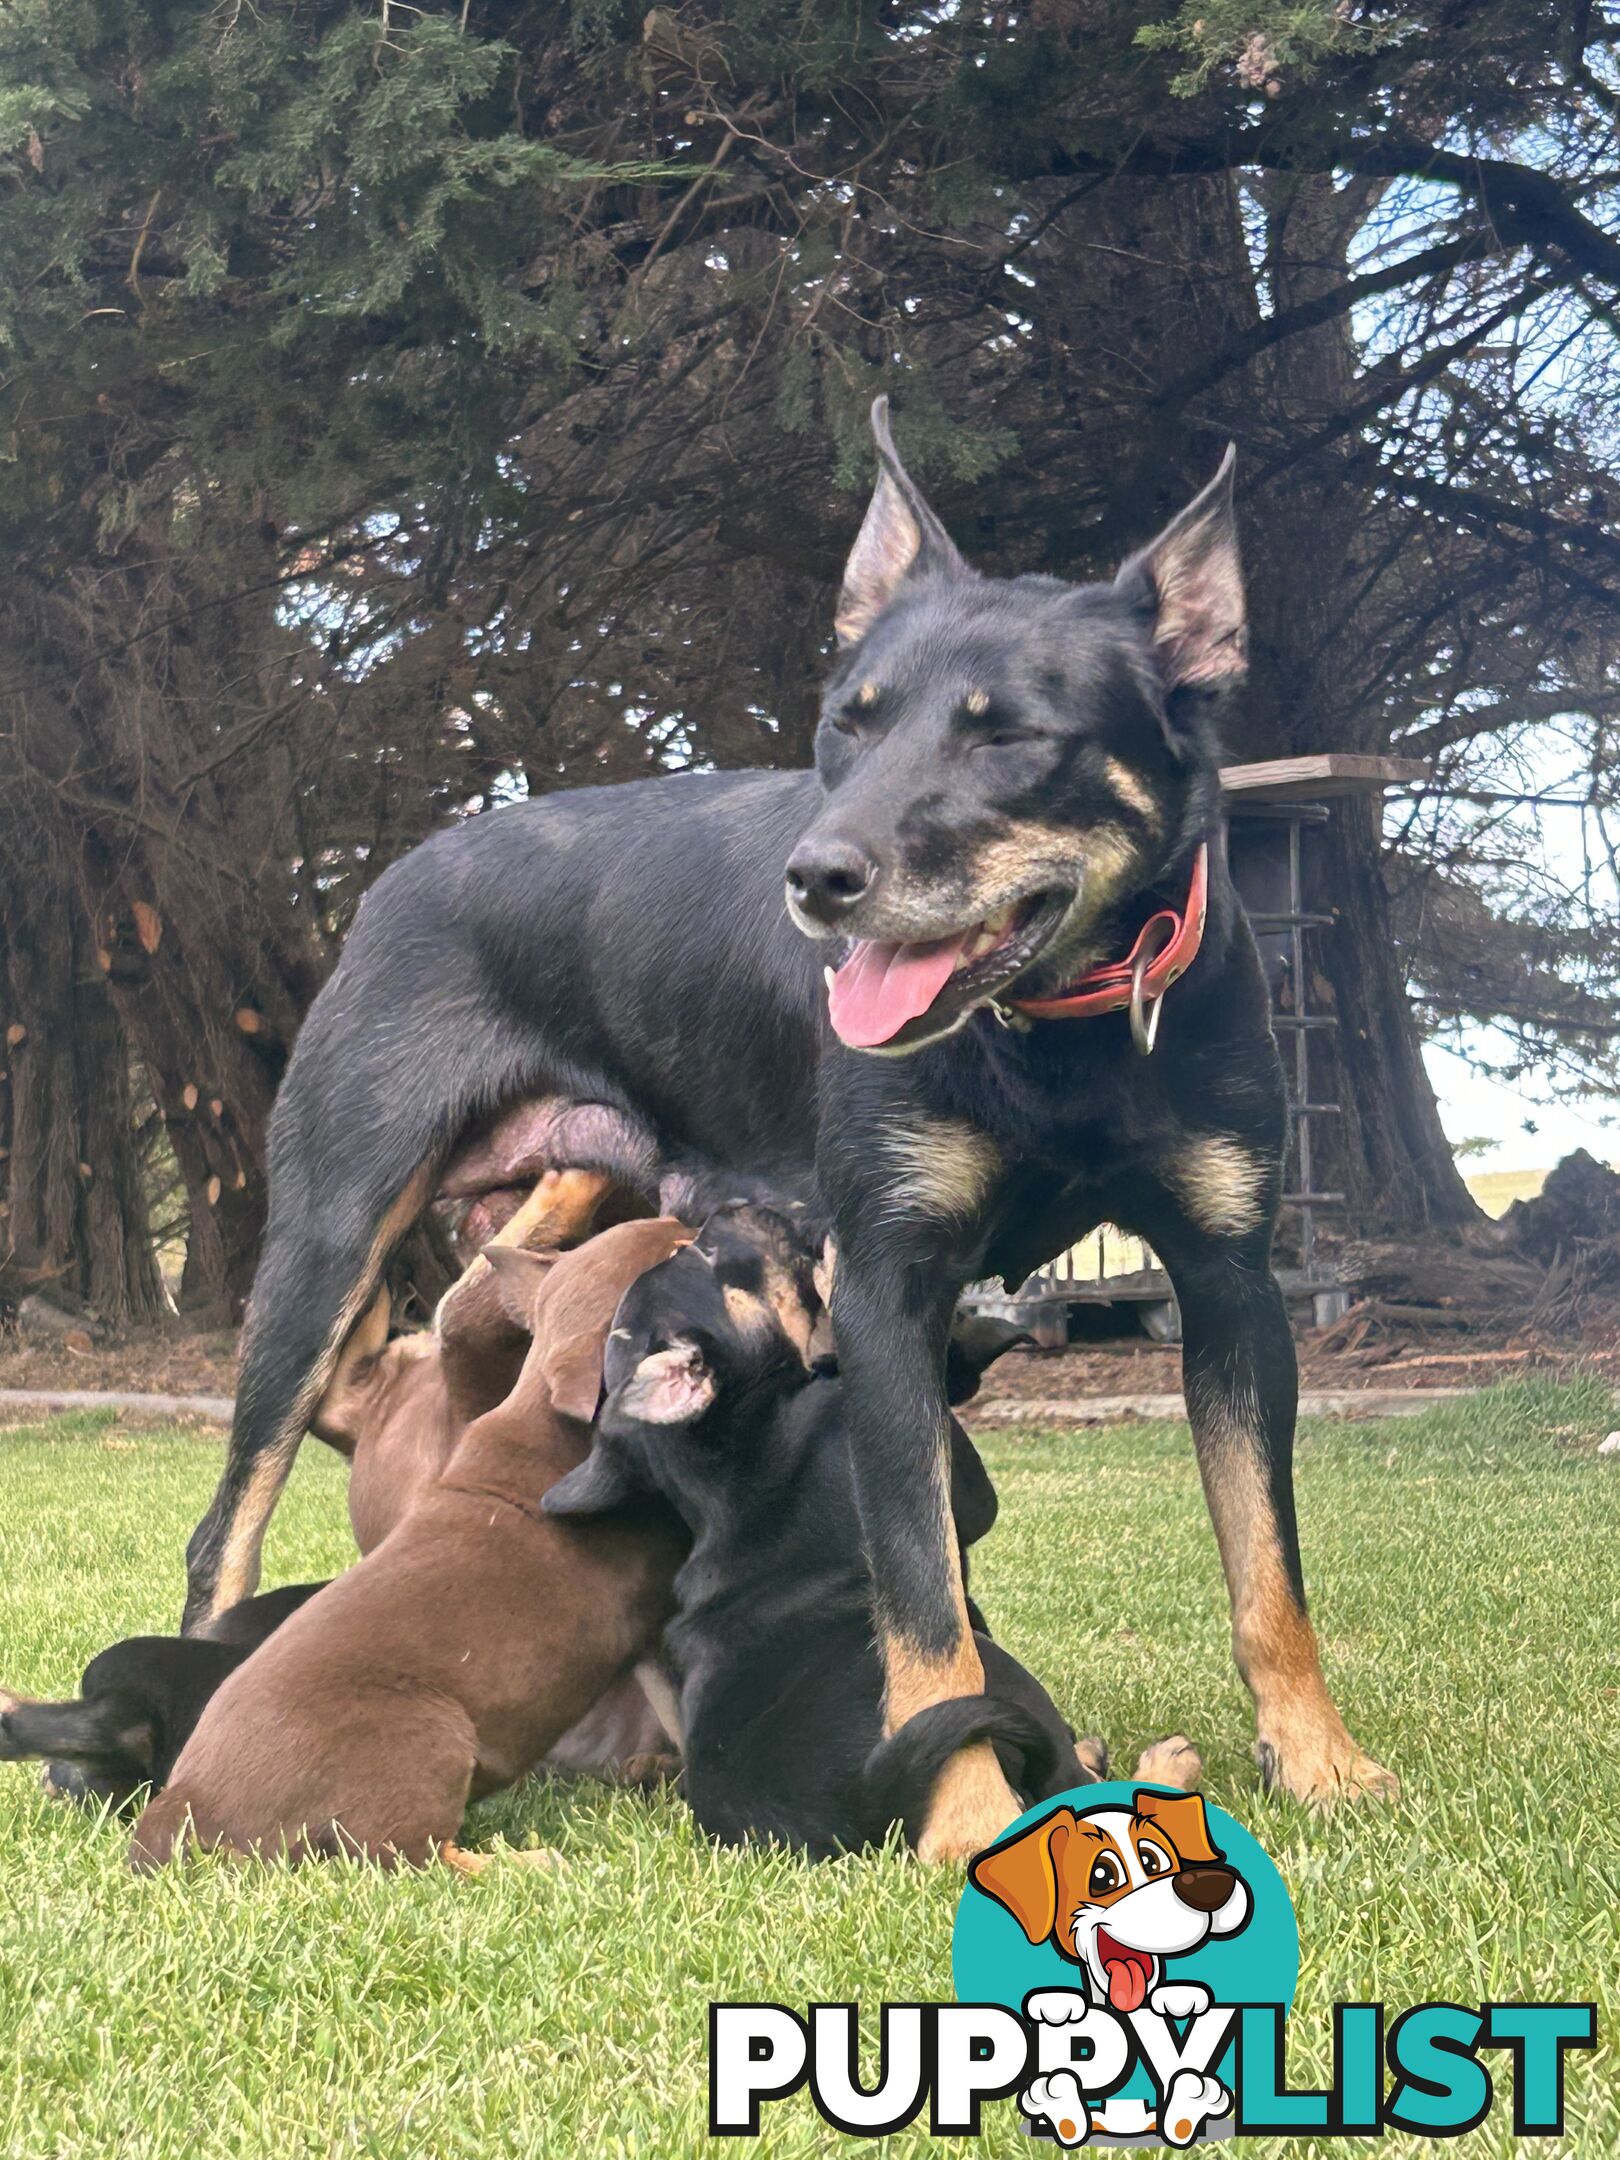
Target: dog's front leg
1241 1382
895 1287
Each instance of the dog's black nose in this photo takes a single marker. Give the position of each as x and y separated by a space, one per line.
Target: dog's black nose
1205 1889
826 878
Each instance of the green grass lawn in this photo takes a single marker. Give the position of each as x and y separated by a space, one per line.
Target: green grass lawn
1467 1567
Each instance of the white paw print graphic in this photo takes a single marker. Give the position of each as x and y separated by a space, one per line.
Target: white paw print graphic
1191 2101
1056 2103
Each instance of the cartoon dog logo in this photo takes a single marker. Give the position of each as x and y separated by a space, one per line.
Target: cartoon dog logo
1118 1891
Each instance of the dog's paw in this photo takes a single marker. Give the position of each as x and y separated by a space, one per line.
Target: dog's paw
1056 2006
1056 2103
972 1805
1323 1770
1191 2101
1180 1999
1092 1753
1171 1761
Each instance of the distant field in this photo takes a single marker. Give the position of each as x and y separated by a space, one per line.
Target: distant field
1496 1190
1468 1573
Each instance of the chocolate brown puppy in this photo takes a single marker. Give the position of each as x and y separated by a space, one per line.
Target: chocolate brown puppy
455 1654
397 1408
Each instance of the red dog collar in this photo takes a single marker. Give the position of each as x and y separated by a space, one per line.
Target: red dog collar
1165 948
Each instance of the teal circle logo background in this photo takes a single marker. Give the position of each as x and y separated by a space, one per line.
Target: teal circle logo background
992 1961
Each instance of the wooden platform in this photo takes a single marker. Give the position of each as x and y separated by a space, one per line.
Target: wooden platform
1316 779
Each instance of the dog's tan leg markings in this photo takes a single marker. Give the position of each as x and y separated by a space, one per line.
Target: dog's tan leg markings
336 1418
941 1170
561 1210
237 1576
972 1802
1171 1761
1302 1742
1219 1182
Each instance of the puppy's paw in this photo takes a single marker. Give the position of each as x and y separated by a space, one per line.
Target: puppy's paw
1180 1999
647 1772
1056 2103
1171 1761
1192 2101
1322 1767
1093 1755
1056 2006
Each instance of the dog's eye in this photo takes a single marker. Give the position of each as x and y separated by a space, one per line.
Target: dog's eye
1153 1861
1004 739
1106 1875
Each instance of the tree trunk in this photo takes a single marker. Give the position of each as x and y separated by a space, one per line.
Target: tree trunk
184 994
1387 1151
77 1214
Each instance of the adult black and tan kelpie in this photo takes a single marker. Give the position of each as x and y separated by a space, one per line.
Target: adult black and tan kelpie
1009 848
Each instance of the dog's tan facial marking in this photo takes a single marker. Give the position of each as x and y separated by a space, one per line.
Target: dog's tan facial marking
941 1170
977 702
1220 1184
1134 792
1019 860
867 694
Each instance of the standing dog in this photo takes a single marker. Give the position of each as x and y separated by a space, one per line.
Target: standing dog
711 1407
1010 848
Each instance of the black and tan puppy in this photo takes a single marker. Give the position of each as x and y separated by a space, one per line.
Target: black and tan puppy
138 1702
710 1406
1009 860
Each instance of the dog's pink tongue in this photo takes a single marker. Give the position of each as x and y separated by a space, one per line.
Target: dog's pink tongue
880 987
1127 1985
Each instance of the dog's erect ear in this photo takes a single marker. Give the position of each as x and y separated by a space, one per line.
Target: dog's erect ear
1191 583
898 535
977 1340
1023 1873
339 1417
605 1480
1181 1816
668 1387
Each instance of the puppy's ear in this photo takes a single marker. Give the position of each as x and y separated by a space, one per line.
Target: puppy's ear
976 1342
1023 1873
898 535
668 1387
1191 583
1182 1817
339 1417
573 1371
517 1274
605 1480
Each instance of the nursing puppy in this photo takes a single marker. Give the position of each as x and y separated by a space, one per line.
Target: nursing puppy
452 1657
709 1405
396 1407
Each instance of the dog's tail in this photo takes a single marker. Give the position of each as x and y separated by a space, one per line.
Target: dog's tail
98 1733
901 1772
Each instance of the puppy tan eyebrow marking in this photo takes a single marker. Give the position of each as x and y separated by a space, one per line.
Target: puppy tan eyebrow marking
867 694
977 703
